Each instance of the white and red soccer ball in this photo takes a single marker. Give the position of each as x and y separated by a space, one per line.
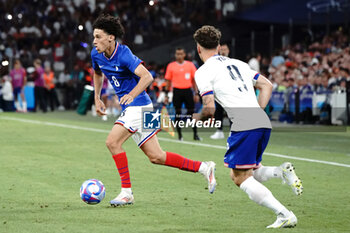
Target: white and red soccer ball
92 191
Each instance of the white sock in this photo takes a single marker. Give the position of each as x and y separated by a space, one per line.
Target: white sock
262 196
18 107
24 105
203 168
263 173
127 190
93 110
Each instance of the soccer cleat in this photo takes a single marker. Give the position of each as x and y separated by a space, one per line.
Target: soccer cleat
284 222
289 177
122 199
209 175
218 135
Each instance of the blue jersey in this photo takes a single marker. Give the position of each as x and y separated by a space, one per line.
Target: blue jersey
119 70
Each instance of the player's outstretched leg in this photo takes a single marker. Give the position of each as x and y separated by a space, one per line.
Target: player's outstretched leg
286 172
289 176
157 156
207 169
261 195
114 142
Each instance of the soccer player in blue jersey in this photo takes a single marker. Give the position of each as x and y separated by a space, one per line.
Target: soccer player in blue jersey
231 83
129 79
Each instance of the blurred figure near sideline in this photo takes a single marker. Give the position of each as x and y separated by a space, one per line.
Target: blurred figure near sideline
39 86
180 75
51 94
6 97
254 62
19 80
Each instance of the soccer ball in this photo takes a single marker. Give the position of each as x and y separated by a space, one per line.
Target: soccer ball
92 191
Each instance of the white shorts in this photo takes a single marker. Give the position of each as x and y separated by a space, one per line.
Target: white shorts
132 119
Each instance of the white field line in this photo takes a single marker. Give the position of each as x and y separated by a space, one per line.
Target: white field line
169 140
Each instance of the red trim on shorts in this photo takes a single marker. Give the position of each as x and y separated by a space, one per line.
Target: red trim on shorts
150 136
119 123
245 166
258 166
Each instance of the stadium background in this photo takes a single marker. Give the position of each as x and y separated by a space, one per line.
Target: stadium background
46 157
60 34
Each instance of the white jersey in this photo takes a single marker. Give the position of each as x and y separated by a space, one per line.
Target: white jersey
232 83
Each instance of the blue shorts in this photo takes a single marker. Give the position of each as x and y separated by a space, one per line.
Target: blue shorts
16 91
245 148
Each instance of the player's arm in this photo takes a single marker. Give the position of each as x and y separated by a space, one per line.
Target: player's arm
265 87
98 80
24 79
145 80
208 108
194 85
195 90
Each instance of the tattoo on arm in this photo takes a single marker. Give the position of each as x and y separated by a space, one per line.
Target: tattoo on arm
208 108
205 102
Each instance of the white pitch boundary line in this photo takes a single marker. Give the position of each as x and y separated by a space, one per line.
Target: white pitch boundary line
265 153
169 140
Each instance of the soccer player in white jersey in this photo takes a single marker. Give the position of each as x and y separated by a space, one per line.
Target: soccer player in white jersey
129 79
231 83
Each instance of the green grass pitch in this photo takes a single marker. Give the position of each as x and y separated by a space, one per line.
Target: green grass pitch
42 167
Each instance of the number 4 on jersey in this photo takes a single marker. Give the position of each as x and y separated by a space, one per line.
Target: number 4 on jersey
232 68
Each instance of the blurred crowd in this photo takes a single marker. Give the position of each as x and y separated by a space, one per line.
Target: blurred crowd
52 39
59 33
323 65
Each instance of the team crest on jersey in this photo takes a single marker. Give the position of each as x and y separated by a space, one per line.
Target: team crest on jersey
151 120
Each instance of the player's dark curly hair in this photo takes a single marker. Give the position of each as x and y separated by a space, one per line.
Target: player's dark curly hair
207 37
109 24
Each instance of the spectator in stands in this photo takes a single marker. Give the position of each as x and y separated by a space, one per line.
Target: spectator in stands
39 86
19 80
254 62
63 89
291 86
160 88
277 59
283 86
6 98
77 82
50 88
180 76
303 85
41 24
